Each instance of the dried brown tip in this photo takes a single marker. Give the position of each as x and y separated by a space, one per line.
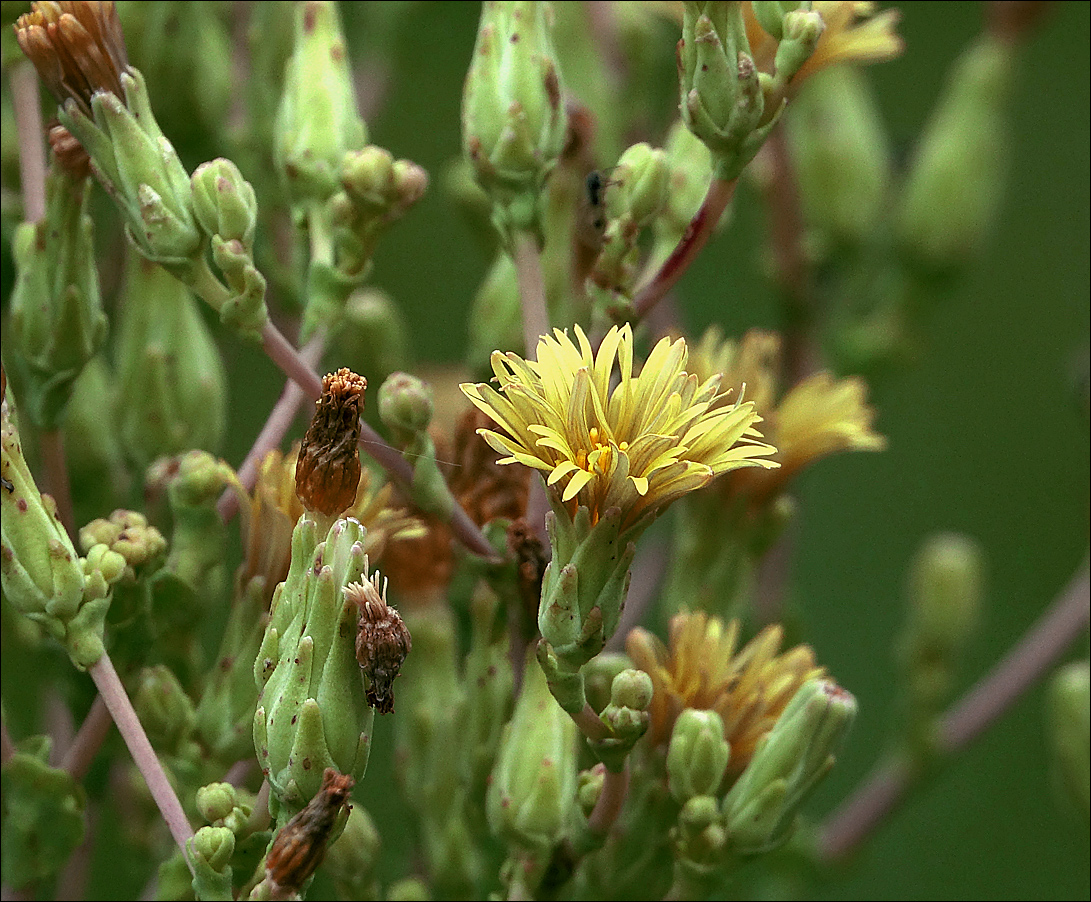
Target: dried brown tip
77 47
299 848
382 642
68 152
327 472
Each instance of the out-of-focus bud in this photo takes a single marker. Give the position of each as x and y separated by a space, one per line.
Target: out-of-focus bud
496 315
760 809
626 717
698 754
43 814
534 782
770 15
405 406
318 119
721 94
313 711
327 471
373 335
1069 708
171 381
351 861
224 202
946 585
700 837
57 319
841 155
164 708
589 788
513 113
956 180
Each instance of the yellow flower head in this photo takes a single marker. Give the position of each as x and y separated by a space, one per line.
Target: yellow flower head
701 669
851 34
819 416
275 509
607 438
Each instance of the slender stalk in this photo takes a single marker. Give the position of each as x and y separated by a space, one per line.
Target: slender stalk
615 788
28 123
132 731
528 268
92 733
1017 671
276 425
56 477
693 241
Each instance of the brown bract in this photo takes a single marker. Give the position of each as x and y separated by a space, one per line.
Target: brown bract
77 47
299 848
328 470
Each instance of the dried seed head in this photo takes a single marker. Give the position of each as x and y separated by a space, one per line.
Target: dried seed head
382 641
327 472
299 848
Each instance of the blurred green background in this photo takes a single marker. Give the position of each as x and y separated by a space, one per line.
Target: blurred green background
988 434
987 428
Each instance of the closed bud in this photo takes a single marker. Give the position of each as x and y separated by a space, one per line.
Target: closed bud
224 202
57 319
513 114
698 754
318 119
171 379
1069 708
164 708
956 179
533 785
405 406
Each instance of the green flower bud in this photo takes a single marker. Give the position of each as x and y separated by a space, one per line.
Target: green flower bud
41 574
313 711
770 15
43 815
626 717
57 320
210 852
129 534
589 788
841 155
946 585
171 380
351 861
760 809
513 114
599 675
405 406
139 168
496 314
698 754
1068 715
408 889
585 584
533 788
802 29
955 183
372 336
164 708
379 185
216 802
722 100
700 837
317 121
224 202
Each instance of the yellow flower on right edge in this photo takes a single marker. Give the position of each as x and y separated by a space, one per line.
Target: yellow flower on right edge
817 417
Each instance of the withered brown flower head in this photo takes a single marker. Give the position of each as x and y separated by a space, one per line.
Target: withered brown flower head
382 641
328 470
299 848
77 47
